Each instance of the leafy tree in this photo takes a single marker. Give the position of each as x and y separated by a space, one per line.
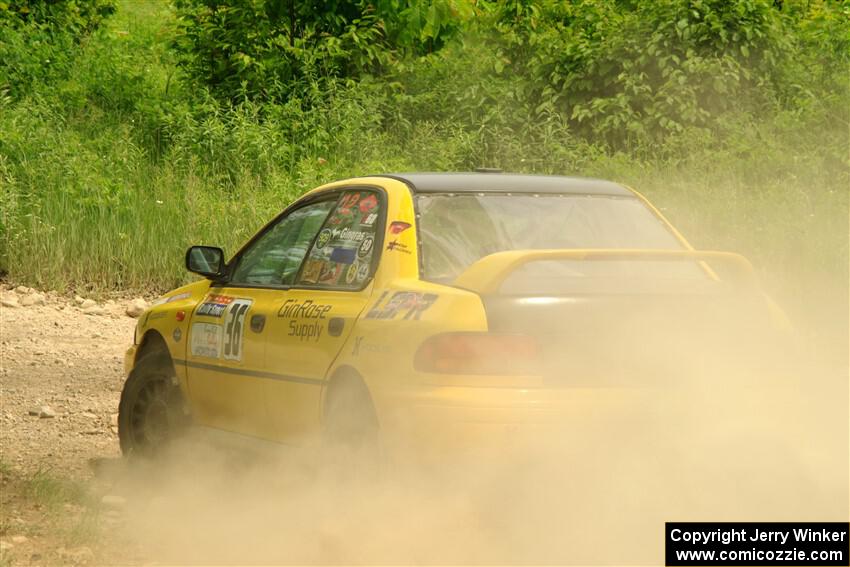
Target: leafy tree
40 37
273 49
622 70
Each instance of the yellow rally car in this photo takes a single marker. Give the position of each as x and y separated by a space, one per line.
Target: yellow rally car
403 306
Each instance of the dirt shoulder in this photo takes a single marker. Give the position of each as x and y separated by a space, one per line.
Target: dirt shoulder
60 382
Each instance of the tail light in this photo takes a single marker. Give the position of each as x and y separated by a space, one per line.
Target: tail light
478 353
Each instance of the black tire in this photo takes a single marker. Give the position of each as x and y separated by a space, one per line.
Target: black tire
151 413
351 430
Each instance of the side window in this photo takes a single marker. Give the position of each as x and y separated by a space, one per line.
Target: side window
341 256
274 258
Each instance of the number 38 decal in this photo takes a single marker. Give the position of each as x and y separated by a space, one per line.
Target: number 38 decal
233 328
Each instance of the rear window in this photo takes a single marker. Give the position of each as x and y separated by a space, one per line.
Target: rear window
457 230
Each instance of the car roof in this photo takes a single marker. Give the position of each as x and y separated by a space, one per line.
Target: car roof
507 183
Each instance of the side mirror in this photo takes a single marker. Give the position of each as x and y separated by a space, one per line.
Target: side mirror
207 261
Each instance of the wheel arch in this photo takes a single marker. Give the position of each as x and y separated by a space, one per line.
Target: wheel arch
152 341
347 375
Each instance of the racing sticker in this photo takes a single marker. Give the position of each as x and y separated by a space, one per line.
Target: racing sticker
357 272
312 269
368 203
346 240
323 238
351 274
412 303
348 235
330 273
399 247
348 201
205 340
365 247
397 227
234 327
362 271
214 305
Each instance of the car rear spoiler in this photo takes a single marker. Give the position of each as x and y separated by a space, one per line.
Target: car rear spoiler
487 274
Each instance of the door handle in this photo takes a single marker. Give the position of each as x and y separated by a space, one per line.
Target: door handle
258 322
335 326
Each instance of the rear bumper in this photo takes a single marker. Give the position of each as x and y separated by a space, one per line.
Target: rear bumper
445 419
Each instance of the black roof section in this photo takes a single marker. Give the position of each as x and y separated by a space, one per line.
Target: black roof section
507 183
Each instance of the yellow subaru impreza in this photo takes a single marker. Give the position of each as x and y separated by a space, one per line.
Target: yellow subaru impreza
401 306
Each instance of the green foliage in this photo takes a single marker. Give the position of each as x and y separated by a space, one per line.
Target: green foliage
626 73
113 162
77 17
41 38
273 49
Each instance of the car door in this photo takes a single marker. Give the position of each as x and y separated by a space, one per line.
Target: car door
311 321
226 358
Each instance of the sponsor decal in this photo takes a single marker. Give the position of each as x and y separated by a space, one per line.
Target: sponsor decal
312 269
411 303
398 246
339 218
397 227
365 247
307 318
205 340
234 326
361 346
306 331
344 255
307 309
214 305
362 271
348 200
351 274
368 219
347 234
330 273
368 203
157 315
323 238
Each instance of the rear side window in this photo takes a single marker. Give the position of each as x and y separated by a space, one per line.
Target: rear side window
341 255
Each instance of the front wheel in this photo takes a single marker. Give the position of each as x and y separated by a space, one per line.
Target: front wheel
151 412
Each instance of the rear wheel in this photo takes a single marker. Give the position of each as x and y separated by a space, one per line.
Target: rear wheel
351 432
151 412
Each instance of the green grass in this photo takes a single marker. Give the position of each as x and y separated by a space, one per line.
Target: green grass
51 492
108 173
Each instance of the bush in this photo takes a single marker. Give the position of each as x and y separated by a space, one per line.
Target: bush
41 37
270 50
625 73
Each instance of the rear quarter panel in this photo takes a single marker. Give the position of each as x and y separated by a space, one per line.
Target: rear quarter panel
397 320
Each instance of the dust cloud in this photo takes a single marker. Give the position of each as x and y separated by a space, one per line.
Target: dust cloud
718 417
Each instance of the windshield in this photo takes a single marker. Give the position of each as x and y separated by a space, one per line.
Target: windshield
457 230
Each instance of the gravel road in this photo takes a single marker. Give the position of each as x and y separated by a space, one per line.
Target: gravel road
60 381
